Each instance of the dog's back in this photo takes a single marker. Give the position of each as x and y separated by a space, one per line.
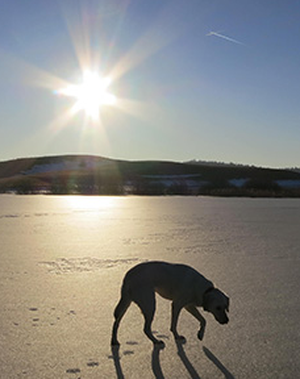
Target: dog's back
167 279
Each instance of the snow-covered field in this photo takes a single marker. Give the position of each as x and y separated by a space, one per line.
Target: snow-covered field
62 264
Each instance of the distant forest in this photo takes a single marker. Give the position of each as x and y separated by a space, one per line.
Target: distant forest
141 186
91 175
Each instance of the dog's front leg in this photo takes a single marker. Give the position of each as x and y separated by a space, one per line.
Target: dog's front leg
194 311
176 308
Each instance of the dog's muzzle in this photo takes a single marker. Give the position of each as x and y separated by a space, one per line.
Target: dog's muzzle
224 320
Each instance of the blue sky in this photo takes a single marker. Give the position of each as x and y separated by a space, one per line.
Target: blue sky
183 92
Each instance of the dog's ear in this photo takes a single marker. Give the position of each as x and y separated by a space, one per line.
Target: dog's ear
206 300
227 308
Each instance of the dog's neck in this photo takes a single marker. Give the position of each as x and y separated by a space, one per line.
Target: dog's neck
209 289
205 297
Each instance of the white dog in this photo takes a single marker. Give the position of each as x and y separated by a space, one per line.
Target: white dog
186 287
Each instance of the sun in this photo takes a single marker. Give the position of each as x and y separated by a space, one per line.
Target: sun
91 94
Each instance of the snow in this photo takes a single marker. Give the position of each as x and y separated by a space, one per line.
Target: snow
63 259
238 182
66 166
288 183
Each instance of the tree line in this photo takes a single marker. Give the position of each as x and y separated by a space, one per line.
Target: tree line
140 185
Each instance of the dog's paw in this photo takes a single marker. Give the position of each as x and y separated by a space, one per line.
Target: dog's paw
159 344
201 334
180 339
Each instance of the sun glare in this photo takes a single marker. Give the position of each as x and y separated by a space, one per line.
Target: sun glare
90 203
91 94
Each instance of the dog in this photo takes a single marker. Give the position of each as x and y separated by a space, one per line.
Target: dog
181 284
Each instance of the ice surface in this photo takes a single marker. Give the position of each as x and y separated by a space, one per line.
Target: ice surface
62 264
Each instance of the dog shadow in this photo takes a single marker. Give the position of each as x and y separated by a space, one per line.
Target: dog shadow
156 366
155 362
216 361
157 370
116 357
186 362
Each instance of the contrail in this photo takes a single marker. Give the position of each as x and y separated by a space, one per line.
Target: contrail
224 37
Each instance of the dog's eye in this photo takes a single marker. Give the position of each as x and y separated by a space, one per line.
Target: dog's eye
219 308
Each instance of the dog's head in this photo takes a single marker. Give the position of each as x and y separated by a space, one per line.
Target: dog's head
217 303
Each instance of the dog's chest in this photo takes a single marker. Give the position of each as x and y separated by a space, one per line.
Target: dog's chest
166 293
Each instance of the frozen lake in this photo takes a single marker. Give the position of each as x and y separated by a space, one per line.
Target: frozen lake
63 259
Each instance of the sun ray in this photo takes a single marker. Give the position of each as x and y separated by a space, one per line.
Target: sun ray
162 32
29 74
77 22
150 43
135 108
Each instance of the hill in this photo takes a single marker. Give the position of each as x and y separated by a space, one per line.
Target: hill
86 174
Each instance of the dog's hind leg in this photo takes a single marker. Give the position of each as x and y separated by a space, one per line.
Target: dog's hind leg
119 312
145 299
